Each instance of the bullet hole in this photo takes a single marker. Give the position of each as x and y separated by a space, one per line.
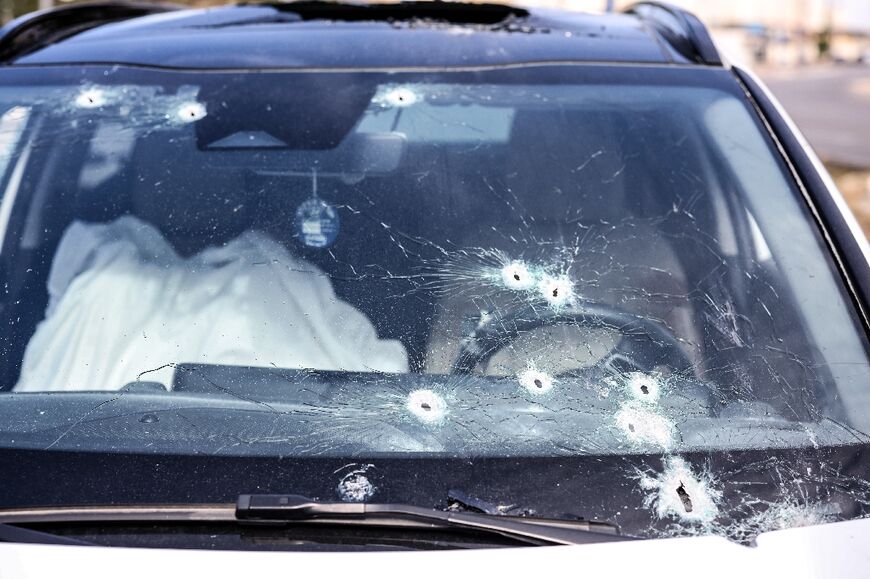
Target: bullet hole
642 426
556 290
398 97
678 492
684 497
517 276
643 387
355 486
190 112
535 381
91 98
427 406
149 419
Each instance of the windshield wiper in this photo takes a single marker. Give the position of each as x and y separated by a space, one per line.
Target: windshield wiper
537 531
291 509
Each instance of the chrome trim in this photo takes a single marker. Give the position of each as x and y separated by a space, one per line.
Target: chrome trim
152 513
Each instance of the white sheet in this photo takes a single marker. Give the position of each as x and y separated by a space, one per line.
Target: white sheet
122 302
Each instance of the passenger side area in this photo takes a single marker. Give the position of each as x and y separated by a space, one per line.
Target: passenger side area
197 200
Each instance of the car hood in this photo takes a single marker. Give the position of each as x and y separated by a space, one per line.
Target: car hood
830 550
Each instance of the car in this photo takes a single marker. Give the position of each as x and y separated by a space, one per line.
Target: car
291 286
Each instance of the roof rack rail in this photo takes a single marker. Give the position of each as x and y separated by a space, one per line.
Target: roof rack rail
681 29
36 30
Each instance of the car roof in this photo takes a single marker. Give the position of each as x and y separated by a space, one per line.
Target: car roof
316 34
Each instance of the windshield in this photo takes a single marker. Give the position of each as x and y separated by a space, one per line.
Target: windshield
512 281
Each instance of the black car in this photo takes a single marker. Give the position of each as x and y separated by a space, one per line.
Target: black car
429 275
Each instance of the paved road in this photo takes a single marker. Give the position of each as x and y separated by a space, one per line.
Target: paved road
831 105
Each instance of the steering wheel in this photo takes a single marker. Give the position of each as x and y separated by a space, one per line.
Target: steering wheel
645 343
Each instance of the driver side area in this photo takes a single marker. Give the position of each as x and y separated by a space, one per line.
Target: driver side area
574 202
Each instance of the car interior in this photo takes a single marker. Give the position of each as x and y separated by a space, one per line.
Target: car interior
650 221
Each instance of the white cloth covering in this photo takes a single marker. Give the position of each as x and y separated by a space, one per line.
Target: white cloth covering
122 302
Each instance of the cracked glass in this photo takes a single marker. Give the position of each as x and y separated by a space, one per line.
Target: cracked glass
542 263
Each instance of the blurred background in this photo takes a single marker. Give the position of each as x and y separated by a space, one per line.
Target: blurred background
813 54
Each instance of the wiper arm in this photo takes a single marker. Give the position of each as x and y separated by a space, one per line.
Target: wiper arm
292 508
284 509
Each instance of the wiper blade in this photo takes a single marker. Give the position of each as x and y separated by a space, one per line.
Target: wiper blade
287 509
537 531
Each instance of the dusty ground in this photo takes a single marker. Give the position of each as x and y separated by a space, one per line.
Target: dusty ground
855 185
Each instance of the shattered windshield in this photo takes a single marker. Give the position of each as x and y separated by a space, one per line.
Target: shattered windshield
550 263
